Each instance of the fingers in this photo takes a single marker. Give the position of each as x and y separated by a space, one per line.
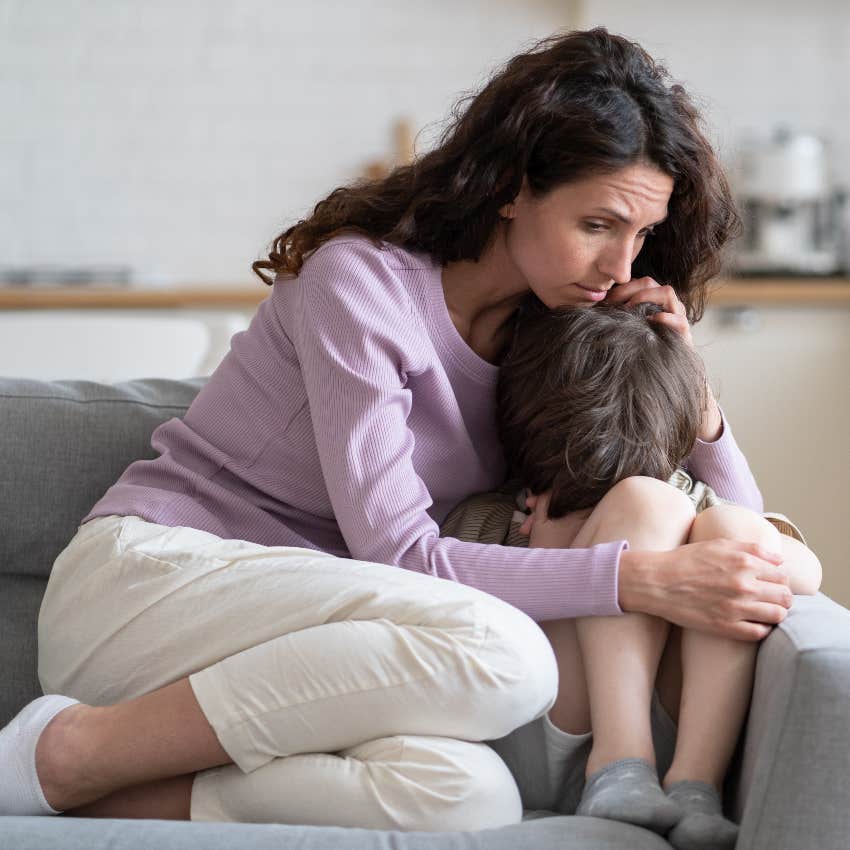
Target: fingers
750 631
765 613
775 575
764 553
646 289
622 292
680 324
739 630
541 505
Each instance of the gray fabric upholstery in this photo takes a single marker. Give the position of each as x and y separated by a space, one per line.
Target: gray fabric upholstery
793 788
65 442
555 833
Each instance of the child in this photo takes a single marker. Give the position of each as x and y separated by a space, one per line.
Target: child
610 395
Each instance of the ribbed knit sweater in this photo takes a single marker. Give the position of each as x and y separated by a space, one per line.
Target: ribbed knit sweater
350 417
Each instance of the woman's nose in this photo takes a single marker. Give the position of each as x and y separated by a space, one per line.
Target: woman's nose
616 263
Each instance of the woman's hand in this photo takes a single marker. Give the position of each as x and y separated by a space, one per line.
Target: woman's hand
644 289
721 587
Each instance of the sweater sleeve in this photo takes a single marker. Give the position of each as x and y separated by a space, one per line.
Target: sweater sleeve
722 465
354 341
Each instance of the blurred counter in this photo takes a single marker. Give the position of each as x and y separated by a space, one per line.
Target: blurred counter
803 291
128 297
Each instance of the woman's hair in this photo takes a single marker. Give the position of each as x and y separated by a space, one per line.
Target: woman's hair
588 396
575 105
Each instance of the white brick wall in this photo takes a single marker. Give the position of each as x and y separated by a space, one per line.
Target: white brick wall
752 63
181 136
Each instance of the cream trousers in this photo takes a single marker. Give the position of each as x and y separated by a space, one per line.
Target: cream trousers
347 693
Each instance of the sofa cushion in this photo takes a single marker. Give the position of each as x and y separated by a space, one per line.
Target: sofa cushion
64 444
550 833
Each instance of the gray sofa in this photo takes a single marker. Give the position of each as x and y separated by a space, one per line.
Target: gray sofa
64 442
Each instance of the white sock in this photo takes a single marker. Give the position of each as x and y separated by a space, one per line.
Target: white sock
20 790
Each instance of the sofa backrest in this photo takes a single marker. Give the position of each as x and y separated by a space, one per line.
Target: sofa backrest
64 443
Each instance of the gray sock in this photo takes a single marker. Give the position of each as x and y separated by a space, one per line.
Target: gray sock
628 790
703 826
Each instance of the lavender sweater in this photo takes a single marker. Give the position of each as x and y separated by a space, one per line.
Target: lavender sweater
350 417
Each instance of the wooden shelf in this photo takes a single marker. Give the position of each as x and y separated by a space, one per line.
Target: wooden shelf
811 292
238 296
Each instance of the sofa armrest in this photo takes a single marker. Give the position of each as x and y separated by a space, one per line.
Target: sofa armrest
793 786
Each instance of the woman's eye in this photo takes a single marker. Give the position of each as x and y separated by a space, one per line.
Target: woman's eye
593 227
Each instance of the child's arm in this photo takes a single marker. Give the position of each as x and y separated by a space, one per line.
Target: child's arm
801 565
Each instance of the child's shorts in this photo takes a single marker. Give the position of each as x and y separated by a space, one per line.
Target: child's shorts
496 516
549 764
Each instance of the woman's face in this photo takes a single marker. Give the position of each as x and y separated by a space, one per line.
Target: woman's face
572 245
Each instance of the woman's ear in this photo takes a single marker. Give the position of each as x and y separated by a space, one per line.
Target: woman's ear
509 210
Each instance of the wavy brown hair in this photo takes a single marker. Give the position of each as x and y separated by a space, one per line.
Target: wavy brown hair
574 105
588 396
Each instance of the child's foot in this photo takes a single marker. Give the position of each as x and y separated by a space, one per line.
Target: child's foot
628 790
20 790
702 826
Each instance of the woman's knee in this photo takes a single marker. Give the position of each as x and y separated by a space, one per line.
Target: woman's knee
457 785
518 663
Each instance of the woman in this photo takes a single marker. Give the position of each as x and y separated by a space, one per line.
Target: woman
231 615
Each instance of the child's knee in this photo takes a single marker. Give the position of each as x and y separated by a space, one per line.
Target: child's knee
653 497
737 523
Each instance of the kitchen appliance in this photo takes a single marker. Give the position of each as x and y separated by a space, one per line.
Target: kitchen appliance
794 218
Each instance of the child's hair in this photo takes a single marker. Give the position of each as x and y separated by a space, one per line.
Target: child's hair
589 396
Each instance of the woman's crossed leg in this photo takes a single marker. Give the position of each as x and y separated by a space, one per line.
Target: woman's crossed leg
366 689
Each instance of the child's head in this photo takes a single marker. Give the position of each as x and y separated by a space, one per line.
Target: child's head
591 395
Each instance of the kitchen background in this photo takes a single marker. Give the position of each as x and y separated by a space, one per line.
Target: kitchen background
150 152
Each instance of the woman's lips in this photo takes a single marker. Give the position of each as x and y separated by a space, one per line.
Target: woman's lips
593 294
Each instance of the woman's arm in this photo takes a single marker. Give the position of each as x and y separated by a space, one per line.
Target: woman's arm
722 586
357 339
721 464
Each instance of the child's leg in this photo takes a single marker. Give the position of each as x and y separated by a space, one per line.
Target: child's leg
622 652
717 680
620 657
717 672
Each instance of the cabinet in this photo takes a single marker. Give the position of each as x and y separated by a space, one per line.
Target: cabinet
115 345
780 374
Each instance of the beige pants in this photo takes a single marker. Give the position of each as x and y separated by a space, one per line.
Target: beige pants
347 693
